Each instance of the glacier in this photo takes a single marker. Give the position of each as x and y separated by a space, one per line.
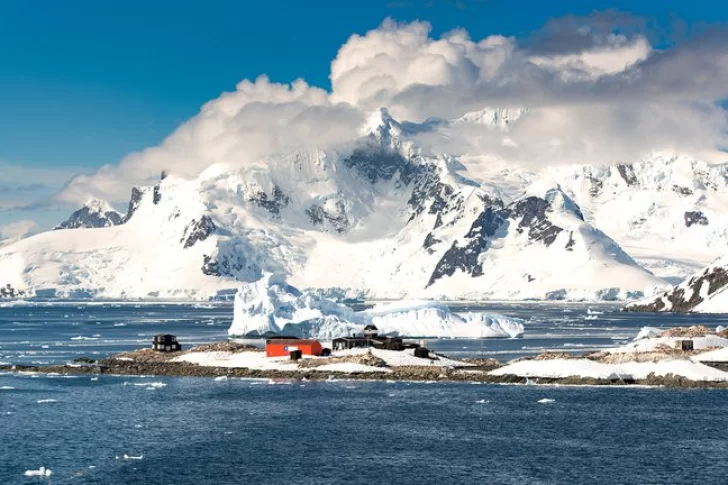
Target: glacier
269 306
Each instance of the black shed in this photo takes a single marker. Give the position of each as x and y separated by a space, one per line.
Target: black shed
165 342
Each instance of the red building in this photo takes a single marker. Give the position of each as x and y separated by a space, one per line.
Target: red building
283 347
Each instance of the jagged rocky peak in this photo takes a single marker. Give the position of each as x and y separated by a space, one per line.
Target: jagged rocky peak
380 125
94 214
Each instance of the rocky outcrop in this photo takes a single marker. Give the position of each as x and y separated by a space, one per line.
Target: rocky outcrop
93 214
197 231
274 203
695 217
137 194
626 171
8 291
335 218
222 266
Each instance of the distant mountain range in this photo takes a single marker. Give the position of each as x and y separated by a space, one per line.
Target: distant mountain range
384 219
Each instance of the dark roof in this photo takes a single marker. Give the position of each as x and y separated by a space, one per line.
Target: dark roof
291 341
165 335
370 327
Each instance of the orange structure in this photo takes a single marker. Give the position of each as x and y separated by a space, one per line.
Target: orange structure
283 347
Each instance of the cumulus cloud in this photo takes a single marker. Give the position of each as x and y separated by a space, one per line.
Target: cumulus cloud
597 91
258 119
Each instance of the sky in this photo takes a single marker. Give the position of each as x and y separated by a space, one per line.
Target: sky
114 90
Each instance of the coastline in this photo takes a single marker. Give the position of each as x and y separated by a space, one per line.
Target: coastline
112 366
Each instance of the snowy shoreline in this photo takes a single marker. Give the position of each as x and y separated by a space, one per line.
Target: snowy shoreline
654 358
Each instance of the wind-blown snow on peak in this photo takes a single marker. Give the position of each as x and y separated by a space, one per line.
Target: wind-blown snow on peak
499 118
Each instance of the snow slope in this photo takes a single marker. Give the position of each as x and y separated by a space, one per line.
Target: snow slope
381 218
667 211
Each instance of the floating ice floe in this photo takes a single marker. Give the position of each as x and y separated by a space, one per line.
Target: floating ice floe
147 385
546 401
269 306
45 401
40 472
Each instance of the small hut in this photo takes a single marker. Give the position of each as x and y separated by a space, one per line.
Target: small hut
371 331
165 342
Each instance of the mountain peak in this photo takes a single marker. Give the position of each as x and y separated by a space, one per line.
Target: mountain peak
381 125
94 213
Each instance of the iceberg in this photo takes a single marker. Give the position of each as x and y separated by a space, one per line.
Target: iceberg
270 306
40 472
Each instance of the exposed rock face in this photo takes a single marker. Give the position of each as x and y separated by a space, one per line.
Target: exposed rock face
686 296
377 163
532 212
92 215
335 217
136 198
465 255
272 204
197 231
8 291
682 190
695 217
430 194
627 173
430 241
529 215
225 266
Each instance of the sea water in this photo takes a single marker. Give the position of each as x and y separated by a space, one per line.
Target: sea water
153 430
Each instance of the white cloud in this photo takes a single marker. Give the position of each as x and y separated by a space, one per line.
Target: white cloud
595 97
17 230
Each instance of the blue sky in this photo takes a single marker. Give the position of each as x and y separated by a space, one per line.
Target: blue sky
83 83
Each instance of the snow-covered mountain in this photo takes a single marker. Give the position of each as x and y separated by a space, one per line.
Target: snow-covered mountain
668 212
381 219
705 292
94 213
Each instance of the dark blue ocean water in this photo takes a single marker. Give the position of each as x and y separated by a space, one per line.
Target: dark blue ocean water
202 431
205 432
